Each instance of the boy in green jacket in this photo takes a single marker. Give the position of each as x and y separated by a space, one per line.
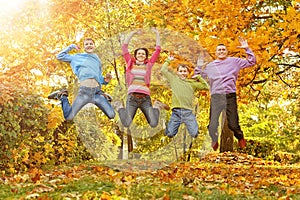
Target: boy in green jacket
182 98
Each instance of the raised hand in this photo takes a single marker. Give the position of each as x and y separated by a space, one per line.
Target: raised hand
157 36
243 42
138 31
154 30
131 34
200 61
77 47
170 57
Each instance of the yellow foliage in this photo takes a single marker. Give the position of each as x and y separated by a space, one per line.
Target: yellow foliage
48 148
39 158
39 138
55 117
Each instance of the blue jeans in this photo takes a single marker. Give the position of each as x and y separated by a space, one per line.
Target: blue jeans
86 95
218 103
179 116
132 104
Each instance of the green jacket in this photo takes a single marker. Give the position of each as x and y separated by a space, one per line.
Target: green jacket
182 90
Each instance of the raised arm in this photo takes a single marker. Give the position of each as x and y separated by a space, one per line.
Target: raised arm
165 71
64 54
199 68
126 54
251 60
156 53
157 36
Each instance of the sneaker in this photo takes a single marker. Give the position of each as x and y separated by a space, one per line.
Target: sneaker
58 94
215 145
108 97
242 143
160 105
117 105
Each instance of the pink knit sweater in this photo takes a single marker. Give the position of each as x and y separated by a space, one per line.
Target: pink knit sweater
130 61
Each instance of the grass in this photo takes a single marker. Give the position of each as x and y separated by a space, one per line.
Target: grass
219 177
94 188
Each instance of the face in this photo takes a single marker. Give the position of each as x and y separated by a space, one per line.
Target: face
182 72
221 52
89 46
140 55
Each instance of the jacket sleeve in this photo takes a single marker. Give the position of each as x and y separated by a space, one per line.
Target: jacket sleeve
199 71
64 54
126 55
250 61
165 71
155 55
200 83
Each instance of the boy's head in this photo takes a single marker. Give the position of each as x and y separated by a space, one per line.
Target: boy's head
89 45
141 54
182 71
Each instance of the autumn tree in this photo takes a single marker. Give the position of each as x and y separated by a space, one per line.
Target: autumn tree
34 34
270 28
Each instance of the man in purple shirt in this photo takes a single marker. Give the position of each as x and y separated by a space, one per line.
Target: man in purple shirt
222 75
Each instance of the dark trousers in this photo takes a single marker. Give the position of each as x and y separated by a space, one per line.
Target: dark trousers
218 103
142 102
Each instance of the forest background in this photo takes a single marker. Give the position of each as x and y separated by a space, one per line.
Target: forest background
33 132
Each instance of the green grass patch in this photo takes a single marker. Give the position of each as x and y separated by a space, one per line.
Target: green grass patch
91 188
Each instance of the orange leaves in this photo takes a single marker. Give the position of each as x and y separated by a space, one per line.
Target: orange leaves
232 173
6 95
268 28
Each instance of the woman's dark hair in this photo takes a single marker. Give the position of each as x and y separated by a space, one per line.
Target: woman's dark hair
146 50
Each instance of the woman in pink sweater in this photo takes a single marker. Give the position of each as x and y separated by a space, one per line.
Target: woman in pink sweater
138 75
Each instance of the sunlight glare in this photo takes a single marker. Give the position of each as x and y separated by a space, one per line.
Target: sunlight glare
9 6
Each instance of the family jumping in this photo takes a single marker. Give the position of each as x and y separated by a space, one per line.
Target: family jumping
218 76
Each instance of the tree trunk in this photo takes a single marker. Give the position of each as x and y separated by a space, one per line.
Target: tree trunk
129 144
226 135
120 133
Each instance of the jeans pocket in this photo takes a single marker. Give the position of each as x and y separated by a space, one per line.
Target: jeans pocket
98 91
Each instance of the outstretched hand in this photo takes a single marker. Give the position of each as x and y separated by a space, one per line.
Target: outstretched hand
243 42
108 77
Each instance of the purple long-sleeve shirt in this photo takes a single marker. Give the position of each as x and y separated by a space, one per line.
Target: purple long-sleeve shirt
223 74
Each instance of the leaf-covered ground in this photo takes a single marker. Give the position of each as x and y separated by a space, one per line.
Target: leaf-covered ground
216 176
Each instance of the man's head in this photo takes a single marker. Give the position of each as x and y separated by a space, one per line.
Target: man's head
182 71
221 51
141 54
89 45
